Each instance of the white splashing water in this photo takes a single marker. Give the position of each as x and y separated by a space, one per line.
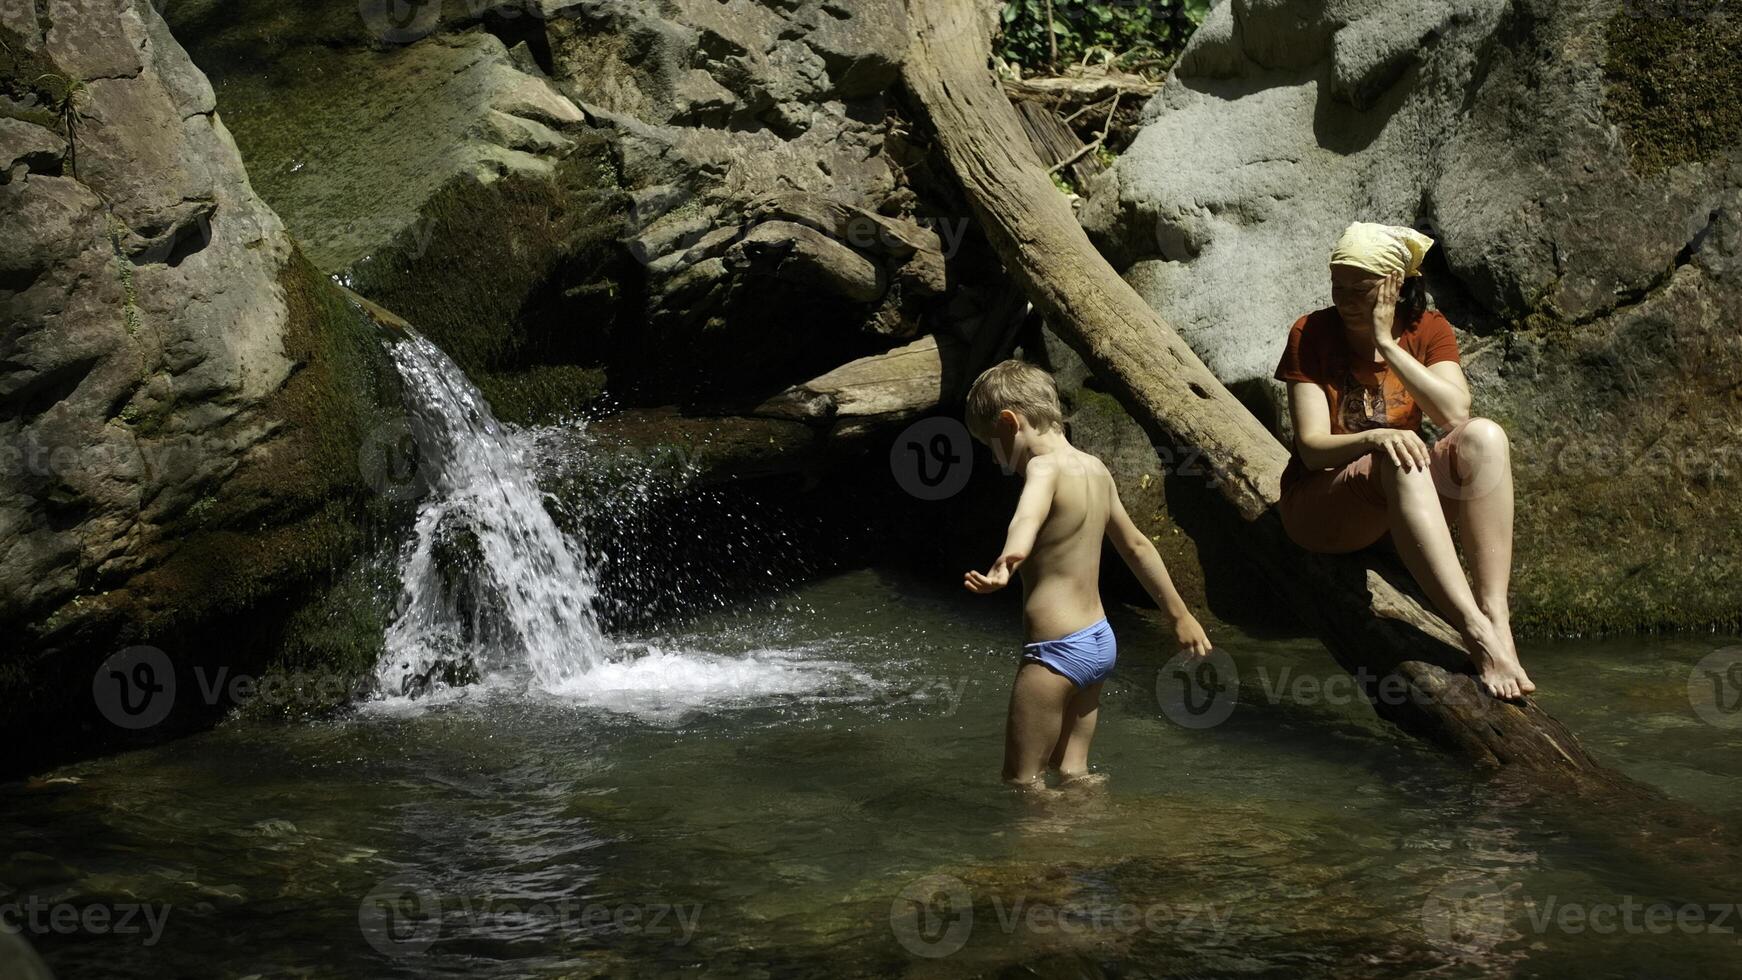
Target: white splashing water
491 588
521 592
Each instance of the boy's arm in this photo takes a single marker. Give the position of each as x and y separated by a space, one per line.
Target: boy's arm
1038 483
1145 562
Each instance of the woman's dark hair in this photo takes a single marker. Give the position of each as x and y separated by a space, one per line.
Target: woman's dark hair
1412 299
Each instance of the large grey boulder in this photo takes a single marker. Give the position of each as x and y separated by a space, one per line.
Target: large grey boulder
1578 164
181 398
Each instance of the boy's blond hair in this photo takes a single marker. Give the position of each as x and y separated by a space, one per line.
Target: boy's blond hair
1018 386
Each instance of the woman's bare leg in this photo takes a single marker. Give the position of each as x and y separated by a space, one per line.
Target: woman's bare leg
1484 498
1424 542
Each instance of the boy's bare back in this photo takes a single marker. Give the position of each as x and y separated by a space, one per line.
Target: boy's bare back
1061 580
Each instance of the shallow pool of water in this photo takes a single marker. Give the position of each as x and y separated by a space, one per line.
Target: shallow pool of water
808 787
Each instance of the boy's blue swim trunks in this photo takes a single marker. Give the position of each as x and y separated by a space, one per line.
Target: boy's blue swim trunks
1085 657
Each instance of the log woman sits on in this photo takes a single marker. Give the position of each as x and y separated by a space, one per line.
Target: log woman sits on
1360 375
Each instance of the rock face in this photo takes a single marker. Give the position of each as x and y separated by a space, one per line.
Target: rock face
429 165
1583 188
180 394
694 202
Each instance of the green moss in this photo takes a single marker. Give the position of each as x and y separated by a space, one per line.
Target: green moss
25 75
130 315
1674 82
513 273
31 84
541 394
299 506
34 116
331 644
1096 404
1626 511
247 30
201 509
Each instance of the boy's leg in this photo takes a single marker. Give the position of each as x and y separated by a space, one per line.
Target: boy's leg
1071 755
1037 708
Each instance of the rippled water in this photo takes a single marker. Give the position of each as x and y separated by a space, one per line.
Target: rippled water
808 787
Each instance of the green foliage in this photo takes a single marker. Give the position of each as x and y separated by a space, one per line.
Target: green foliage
1133 35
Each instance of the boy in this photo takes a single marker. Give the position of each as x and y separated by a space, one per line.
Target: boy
1068 502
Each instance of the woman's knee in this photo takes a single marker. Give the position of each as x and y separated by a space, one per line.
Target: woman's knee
1394 478
1484 438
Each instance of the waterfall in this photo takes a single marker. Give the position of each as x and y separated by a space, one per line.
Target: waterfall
490 587
488 582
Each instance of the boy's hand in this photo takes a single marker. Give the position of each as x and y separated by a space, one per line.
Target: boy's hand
995 578
1191 636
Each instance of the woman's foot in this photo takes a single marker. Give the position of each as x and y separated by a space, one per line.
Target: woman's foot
1503 627
1497 667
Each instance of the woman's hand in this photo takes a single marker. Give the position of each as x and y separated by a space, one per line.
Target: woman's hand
1402 446
1191 635
1384 312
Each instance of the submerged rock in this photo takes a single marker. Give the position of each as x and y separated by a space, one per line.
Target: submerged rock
1583 186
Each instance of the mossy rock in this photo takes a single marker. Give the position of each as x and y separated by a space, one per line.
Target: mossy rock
261 575
439 176
31 84
514 273
1675 80
542 393
1627 511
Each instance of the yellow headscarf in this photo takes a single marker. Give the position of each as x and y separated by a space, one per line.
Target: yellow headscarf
1382 249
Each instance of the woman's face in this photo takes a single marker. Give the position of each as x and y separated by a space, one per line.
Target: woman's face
1353 291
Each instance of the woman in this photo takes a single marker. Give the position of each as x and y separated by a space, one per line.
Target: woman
1360 375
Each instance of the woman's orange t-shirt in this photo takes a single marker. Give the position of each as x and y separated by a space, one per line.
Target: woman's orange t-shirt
1361 396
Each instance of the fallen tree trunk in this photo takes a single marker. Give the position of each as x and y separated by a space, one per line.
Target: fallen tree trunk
1408 659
